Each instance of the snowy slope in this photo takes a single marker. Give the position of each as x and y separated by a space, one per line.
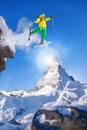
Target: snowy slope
55 90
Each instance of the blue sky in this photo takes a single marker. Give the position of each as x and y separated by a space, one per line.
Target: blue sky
68 37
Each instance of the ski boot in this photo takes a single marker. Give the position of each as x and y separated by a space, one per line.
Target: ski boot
41 43
30 33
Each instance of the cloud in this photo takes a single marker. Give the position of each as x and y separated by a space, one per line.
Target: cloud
22 34
23 23
21 40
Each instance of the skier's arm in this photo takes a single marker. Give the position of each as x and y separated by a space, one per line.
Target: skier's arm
49 18
37 20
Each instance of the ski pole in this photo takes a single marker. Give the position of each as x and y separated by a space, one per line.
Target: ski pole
52 22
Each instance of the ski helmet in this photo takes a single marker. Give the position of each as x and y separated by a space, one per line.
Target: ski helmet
42 15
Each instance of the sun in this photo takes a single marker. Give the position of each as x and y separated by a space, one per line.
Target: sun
45 57
48 60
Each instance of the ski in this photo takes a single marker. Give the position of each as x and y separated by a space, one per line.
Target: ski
43 45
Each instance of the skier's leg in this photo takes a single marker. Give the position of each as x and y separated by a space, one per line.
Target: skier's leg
36 30
43 36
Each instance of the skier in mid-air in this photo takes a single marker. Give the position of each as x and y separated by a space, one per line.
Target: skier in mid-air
41 21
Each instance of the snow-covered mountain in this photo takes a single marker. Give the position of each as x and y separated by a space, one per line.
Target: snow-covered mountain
55 90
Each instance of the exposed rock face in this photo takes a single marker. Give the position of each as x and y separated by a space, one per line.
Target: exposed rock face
5 49
0 33
53 120
5 52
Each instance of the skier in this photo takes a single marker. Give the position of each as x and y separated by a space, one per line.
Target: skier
41 21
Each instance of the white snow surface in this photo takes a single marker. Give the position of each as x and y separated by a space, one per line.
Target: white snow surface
42 119
55 90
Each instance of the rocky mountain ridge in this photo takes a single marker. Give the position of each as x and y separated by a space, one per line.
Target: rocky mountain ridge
57 102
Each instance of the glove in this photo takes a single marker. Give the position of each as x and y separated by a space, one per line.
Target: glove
51 17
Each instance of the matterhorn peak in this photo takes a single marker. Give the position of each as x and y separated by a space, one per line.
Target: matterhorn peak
54 99
54 76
